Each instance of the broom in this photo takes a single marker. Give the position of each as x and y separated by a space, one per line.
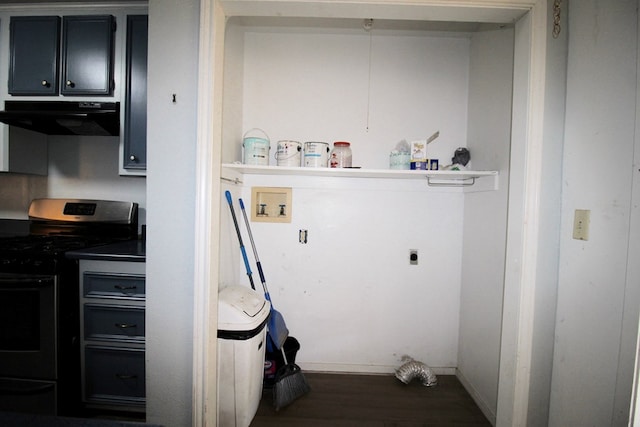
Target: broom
278 331
290 383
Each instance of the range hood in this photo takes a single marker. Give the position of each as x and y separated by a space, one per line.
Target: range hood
64 117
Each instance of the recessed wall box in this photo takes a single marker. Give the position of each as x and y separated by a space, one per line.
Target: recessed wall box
271 204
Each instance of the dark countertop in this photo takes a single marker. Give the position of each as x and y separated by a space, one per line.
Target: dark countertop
10 419
130 250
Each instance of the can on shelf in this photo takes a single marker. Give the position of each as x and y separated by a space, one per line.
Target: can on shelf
316 154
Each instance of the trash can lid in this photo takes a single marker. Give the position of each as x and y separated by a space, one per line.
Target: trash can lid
241 309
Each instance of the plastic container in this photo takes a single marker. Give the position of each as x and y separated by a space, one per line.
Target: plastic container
399 160
242 319
340 155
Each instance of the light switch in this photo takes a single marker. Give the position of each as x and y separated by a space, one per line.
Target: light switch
581 220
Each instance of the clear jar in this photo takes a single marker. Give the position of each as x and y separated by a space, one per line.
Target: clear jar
340 155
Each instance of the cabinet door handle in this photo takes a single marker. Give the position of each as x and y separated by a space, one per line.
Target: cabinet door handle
45 83
126 377
133 158
125 325
124 288
69 83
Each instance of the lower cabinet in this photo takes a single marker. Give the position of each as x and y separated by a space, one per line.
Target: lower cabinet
112 297
114 375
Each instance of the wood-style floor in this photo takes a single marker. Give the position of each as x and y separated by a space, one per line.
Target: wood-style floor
374 401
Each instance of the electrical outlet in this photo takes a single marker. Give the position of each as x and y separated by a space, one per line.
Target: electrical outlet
413 256
581 220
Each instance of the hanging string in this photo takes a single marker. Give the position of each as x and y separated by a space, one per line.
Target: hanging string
368 24
556 19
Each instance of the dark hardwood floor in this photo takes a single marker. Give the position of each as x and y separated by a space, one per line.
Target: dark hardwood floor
374 401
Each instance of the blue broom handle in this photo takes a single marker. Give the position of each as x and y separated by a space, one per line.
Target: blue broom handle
244 253
253 246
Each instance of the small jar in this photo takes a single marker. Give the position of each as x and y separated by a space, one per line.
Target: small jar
340 155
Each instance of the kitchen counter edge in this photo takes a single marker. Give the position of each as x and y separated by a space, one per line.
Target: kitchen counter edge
130 250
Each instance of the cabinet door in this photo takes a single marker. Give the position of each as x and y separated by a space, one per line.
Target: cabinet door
135 132
34 52
87 55
115 375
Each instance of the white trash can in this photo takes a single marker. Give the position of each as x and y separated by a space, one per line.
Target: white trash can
242 319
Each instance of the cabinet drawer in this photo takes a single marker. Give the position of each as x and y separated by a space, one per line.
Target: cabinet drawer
102 285
114 375
104 322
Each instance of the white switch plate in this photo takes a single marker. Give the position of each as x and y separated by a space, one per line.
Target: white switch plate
581 220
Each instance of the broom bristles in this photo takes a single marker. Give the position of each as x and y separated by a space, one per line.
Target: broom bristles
290 385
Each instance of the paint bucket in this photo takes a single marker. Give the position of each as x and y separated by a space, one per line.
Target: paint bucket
256 149
316 154
288 153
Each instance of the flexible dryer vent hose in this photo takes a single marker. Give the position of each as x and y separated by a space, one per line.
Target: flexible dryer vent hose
413 369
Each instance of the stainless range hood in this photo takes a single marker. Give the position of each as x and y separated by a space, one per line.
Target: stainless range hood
64 117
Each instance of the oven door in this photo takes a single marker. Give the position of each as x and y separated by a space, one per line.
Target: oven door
28 326
30 396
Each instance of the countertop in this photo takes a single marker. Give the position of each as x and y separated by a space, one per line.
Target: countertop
130 250
10 419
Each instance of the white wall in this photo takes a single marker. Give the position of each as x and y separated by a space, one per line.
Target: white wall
79 167
597 302
485 218
171 136
87 167
349 295
370 88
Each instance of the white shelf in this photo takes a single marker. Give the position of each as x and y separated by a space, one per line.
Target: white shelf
435 178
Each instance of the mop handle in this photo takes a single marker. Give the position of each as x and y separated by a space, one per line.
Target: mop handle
244 253
253 245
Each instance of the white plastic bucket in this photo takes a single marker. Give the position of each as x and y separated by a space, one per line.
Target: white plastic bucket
288 153
256 149
316 154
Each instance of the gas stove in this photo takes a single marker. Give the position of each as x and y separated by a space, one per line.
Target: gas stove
39 300
61 225
41 254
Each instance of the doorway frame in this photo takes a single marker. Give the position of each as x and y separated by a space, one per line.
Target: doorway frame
523 229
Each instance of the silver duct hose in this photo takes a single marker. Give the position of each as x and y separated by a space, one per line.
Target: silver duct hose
413 369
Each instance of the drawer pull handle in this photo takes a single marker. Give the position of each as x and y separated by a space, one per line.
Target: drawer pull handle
124 288
126 377
125 325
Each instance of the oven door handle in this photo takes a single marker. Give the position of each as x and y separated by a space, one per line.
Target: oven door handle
10 281
26 390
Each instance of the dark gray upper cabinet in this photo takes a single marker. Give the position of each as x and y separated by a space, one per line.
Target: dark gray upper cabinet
78 63
135 132
33 68
87 66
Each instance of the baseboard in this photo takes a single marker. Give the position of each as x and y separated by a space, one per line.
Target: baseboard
488 412
337 368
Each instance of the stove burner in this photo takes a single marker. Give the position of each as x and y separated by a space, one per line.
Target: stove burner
50 244
42 254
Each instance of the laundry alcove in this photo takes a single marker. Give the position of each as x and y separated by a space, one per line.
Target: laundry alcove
350 295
